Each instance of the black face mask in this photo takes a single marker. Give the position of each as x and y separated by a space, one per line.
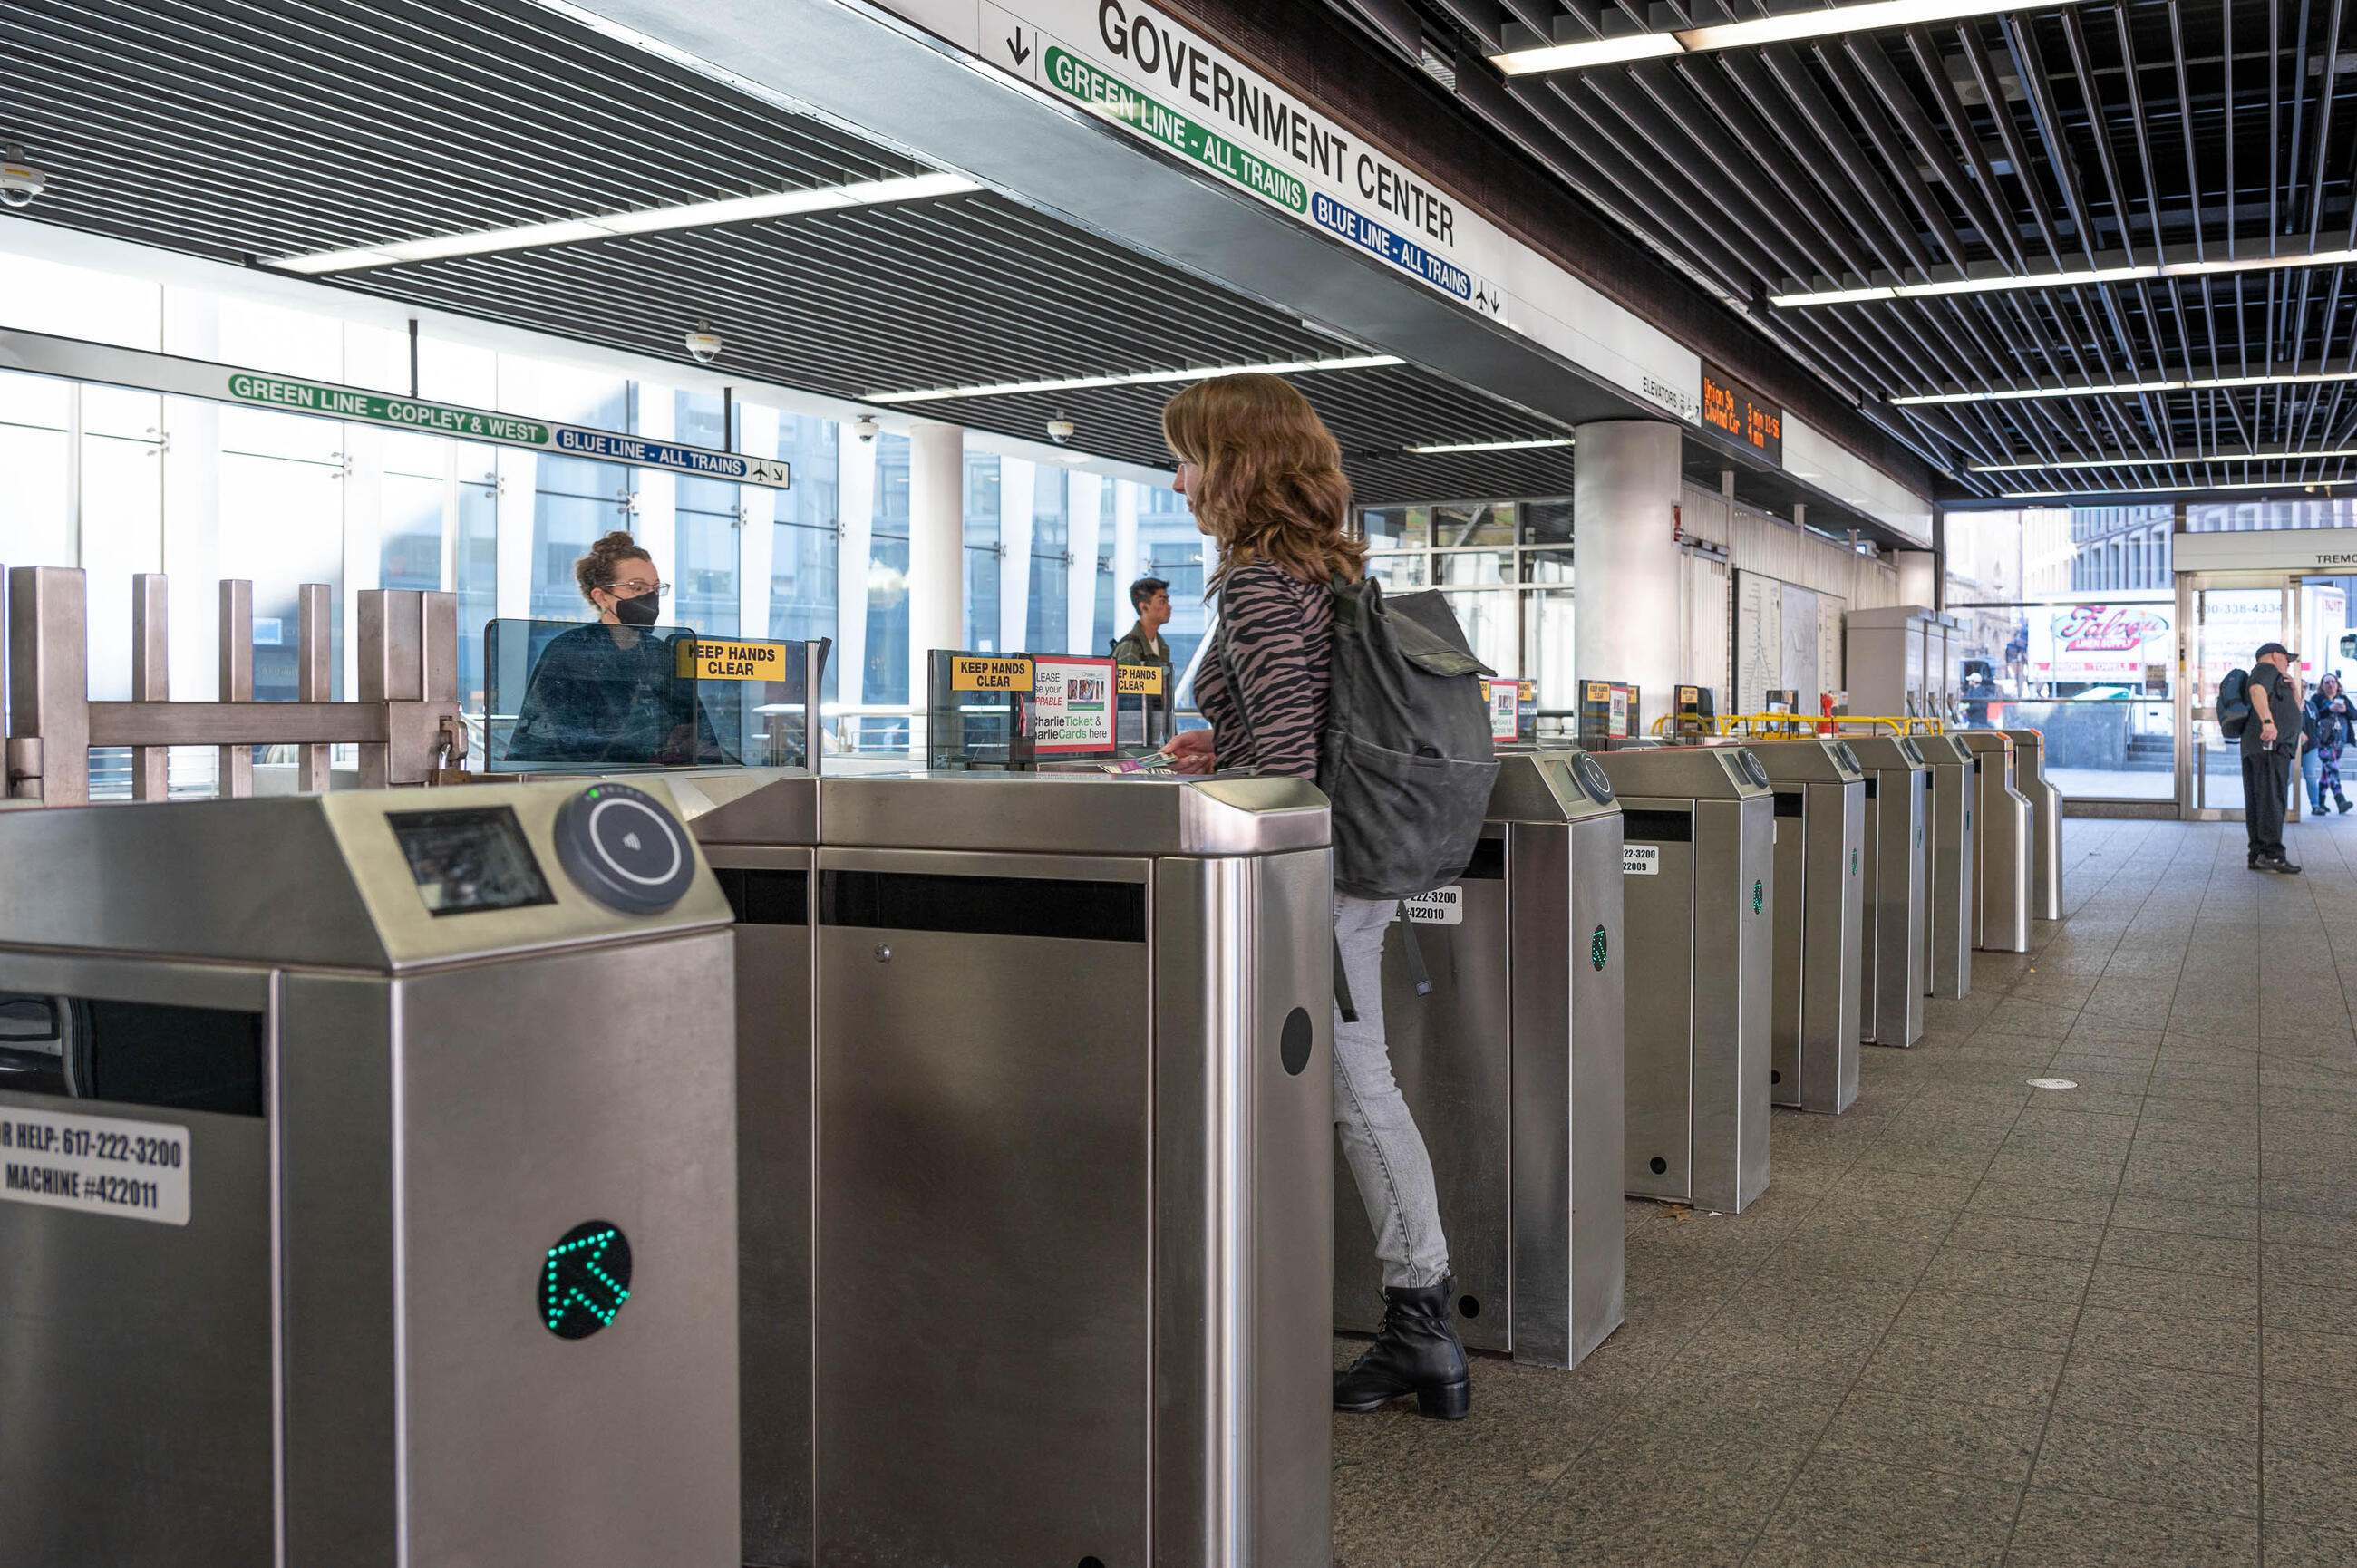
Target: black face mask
641 611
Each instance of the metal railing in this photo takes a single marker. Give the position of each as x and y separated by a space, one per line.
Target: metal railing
404 719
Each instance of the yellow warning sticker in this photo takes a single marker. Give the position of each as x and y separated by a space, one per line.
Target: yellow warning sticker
981 672
1136 680
713 658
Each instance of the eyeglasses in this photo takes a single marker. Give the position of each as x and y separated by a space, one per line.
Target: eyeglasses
636 588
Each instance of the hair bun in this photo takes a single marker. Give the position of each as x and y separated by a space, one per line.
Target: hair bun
595 569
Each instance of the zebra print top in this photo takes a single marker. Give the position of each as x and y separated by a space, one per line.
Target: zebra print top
1273 645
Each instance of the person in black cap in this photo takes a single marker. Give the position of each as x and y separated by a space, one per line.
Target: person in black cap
2270 743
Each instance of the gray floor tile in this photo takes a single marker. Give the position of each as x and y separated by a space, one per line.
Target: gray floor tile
2195 1471
2227 1346
2138 1393
2302 1544
1926 1516
2164 1290
1963 1369
2134 1213
1986 1441
2186 1254
2039 1237
2333 1268
2018 1322
2070 1530
2036 1202
2008 1273
2314 1482
2306 1306
2308 1356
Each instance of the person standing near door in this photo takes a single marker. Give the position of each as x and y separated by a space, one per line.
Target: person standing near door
2270 742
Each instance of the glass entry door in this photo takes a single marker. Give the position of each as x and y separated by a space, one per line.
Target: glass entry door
2223 619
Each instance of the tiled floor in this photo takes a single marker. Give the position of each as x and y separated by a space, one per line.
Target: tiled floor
1973 1322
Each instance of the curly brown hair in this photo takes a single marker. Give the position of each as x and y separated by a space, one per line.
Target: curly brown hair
1269 483
595 570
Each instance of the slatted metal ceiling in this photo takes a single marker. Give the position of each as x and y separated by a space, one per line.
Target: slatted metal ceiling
241 128
2038 141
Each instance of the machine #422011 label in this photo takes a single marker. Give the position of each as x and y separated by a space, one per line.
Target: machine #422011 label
98 1164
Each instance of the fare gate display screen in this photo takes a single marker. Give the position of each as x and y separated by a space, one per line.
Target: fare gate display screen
469 860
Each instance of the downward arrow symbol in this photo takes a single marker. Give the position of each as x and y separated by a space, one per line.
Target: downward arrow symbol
1017 47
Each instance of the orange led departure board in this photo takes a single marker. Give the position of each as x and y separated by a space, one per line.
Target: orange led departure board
1733 411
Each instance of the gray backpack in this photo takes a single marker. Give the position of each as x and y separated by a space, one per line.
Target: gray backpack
1407 757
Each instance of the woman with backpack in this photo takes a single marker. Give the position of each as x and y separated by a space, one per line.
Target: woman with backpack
1265 480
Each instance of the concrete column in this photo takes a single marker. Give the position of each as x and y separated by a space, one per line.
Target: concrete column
1919 576
936 545
1625 486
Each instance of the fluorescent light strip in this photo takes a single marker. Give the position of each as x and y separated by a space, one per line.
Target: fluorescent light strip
1764 30
2152 273
2211 383
645 220
2163 462
2285 485
1136 379
1490 445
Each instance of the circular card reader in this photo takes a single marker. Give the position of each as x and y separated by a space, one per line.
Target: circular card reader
1591 774
1751 768
624 849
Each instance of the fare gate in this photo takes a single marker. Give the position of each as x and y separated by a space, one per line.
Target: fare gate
1820 885
2046 809
1952 806
1697 868
1893 952
370 1190
2004 846
1513 1067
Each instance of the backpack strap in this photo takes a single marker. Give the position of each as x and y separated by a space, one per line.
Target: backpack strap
1342 986
1417 974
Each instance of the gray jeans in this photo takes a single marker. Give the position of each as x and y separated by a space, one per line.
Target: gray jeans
1379 1137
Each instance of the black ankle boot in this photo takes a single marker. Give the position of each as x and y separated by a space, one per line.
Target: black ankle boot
1417 1352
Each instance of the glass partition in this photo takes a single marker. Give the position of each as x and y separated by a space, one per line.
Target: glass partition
563 696
2093 676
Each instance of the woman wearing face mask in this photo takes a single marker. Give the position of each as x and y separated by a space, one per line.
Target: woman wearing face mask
611 692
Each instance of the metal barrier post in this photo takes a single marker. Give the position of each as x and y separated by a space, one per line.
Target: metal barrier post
49 686
151 680
314 676
236 780
813 697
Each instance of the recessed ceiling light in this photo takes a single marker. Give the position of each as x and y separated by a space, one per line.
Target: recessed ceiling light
2001 283
2163 460
1490 445
1802 24
1131 378
644 220
2206 383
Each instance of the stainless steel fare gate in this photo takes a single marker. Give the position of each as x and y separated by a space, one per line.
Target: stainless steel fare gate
2005 845
1037 1168
1697 867
1952 808
1513 1067
1892 953
2031 782
1820 885
369 1193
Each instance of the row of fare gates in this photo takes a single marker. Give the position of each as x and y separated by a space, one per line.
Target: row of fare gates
864 1165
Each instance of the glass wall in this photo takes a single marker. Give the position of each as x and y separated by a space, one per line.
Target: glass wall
1505 567
117 481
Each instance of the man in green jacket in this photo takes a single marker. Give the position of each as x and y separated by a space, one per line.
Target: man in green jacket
1150 597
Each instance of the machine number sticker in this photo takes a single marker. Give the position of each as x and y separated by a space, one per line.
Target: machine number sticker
1598 948
1441 907
131 1170
1641 860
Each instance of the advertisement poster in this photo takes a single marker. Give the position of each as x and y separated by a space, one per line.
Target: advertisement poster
1506 709
1072 705
2100 645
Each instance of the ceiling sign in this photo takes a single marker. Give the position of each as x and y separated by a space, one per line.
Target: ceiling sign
41 355
1734 412
1164 84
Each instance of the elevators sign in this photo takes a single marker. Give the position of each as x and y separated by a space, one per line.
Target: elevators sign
1072 705
1506 709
